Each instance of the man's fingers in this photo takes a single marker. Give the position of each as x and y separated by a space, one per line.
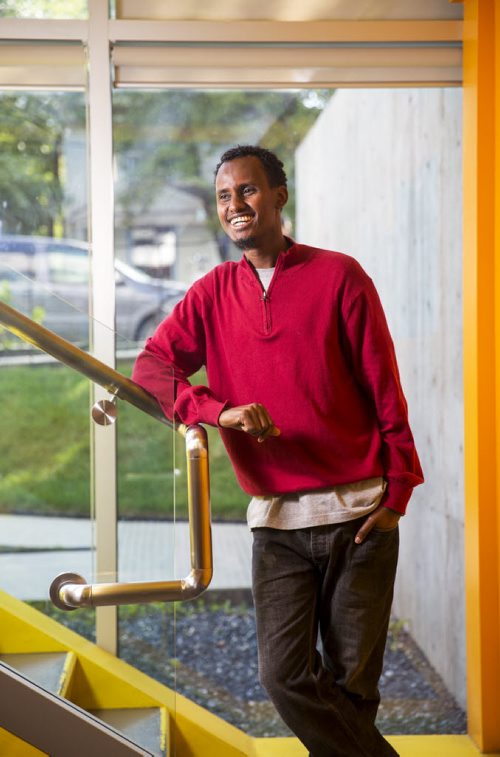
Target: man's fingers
256 421
253 419
265 424
383 518
271 431
263 419
364 530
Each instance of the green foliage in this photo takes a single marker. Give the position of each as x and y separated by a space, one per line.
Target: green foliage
5 336
45 452
398 627
7 340
175 137
32 131
171 138
44 446
44 8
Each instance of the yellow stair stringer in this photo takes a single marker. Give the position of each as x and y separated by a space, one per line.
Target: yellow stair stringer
95 679
13 747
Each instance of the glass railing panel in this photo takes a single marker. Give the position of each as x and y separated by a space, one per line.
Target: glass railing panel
55 519
146 533
45 473
50 508
45 492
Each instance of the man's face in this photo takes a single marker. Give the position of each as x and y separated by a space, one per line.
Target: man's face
248 208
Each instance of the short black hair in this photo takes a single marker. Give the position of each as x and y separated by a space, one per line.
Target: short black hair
272 165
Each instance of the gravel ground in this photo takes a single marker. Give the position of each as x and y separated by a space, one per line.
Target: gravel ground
211 657
207 650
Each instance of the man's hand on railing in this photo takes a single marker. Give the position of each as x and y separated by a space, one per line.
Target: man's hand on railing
253 419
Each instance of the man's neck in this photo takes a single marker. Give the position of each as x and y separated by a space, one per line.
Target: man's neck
266 258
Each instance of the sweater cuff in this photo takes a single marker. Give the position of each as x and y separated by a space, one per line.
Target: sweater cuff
396 496
211 410
208 411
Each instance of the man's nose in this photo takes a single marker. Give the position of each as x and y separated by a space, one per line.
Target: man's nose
237 203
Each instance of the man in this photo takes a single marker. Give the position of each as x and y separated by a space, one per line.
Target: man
304 387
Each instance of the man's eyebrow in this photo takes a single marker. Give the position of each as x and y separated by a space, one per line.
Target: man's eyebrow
240 186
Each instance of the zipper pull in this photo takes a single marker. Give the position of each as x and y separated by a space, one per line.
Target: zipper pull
264 295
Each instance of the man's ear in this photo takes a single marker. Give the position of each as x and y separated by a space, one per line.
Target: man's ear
281 197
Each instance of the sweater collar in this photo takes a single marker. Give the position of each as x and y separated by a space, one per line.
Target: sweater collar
287 258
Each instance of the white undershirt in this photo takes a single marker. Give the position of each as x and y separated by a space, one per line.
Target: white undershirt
316 508
265 276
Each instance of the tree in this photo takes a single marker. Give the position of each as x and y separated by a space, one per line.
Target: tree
175 136
163 138
44 8
32 128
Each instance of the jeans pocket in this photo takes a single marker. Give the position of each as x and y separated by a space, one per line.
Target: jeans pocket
384 530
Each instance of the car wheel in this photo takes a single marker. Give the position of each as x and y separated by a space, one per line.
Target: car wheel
169 304
147 326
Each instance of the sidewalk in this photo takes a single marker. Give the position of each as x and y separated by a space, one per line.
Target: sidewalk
148 551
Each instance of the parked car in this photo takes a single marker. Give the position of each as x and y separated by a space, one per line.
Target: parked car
51 276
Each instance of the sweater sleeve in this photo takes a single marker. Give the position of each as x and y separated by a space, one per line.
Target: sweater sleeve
374 363
174 352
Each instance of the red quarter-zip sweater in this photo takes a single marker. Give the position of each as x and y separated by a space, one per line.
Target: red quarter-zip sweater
315 351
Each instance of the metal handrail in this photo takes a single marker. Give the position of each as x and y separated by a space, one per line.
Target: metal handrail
69 590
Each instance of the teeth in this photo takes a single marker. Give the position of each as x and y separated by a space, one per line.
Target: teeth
240 220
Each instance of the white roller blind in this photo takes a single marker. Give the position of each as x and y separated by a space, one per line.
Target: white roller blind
335 64
40 64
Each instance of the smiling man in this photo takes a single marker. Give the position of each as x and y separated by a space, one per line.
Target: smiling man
304 387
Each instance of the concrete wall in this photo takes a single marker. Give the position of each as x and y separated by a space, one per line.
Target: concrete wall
379 177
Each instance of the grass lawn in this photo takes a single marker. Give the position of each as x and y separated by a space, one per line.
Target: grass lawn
45 452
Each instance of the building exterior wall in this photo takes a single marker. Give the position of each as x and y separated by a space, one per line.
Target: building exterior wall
379 177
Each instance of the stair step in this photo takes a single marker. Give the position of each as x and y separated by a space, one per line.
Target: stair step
44 669
56 725
143 726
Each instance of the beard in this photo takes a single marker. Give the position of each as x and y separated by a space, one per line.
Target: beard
249 243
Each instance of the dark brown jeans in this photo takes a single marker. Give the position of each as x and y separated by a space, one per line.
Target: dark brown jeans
316 584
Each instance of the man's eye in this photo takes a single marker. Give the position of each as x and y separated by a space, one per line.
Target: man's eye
248 190
223 197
